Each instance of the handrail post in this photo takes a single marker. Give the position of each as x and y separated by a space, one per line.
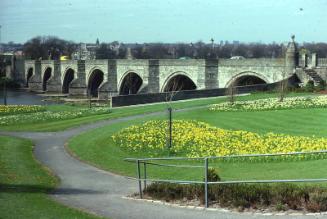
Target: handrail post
139 177
144 166
206 182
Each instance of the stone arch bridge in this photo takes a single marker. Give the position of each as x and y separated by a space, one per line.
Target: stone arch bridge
102 78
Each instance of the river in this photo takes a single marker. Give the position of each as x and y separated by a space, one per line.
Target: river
22 97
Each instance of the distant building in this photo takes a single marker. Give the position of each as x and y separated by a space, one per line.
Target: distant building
85 52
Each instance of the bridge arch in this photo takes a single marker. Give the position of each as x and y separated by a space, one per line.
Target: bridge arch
247 78
178 81
95 80
130 83
69 76
29 74
46 76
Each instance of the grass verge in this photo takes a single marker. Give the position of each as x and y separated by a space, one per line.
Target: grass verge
24 185
58 125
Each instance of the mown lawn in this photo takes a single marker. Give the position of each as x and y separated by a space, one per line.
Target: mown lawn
24 185
59 125
97 147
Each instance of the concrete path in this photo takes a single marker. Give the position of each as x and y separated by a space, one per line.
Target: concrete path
86 187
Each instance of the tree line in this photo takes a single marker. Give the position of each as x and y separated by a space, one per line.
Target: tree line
51 47
48 47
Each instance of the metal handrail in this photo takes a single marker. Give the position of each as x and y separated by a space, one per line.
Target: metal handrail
229 182
144 161
172 165
226 156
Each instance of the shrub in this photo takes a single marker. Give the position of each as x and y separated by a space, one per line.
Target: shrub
321 86
213 175
279 196
280 207
290 195
318 201
309 87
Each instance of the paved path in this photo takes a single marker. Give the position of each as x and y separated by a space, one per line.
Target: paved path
86 187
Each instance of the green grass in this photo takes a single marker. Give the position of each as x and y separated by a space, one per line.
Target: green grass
24 185
97 147
122 112
303 122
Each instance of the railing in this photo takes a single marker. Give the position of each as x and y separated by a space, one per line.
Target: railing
205 166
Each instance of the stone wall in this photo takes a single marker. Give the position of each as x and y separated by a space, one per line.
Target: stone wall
182 95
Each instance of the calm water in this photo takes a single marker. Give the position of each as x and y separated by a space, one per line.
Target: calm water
23 98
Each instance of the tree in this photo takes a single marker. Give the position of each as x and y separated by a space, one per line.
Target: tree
282 87
34 49
49 47
170 94
231 92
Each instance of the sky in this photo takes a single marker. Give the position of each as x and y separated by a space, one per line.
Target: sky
165 21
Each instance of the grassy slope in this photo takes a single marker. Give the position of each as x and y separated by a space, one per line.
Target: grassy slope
121 112
97 147
24 184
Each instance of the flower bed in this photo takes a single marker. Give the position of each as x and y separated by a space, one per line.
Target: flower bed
48 116
17 109
272 104
198 139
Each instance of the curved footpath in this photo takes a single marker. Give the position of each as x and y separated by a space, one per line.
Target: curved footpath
86 187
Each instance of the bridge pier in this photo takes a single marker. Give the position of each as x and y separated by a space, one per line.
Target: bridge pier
211 74
78 86
35 82
54 83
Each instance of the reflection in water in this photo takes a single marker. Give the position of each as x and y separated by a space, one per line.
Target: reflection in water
23 98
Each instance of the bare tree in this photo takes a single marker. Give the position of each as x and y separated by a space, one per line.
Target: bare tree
231 92
282 87
173 89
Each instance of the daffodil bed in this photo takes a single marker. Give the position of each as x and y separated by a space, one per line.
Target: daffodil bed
17 109
272 104
49 116
198 139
